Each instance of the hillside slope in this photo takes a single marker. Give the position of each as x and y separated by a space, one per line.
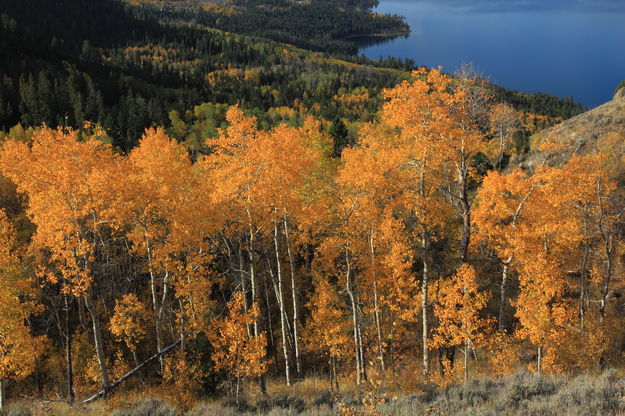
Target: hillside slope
581 132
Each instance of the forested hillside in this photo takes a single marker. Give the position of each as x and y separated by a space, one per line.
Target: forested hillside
321 25
195 214
130 68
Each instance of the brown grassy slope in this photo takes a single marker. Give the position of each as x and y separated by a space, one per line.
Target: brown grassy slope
581 132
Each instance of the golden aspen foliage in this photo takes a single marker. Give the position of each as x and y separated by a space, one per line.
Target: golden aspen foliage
327 328
69 199
182 376
503 354
18 348
236 353
459 314
503 121
129 321
458 310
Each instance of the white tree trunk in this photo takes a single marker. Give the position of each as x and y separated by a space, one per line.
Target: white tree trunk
294 298
281 305
156 306
376 309
424 306
352 299
2 396
99 342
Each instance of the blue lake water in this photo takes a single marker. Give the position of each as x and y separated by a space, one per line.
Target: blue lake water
564 48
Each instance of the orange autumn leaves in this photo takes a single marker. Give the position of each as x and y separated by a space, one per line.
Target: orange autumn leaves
18 348
66 181
235 352
549 227
85 200
392 252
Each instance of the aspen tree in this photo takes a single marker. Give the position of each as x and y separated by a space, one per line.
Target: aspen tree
156 185
72 206
18 347
458 312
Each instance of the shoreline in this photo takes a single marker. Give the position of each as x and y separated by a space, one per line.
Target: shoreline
394 34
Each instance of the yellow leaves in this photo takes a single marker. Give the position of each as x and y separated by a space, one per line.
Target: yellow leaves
363 216
537 122
504 121
327 328
354 103
540 224
503 354
70 199
451 374
183 376
128 322
157 199
18 349
235 352
458 310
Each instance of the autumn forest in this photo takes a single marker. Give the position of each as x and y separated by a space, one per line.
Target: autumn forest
417 235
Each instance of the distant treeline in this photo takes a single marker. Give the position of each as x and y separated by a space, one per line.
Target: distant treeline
322 25
127 68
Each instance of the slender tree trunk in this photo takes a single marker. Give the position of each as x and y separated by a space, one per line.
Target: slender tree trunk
183 336
501 151
465 213
135 357
68 353
466 361
237 389
608 251
583 288
155 302
356 337
270 325
159 317
98 340
294 298
424 304
37 376
274 282
363 363
243 284
81 315
391 346
607 280
539 360
502 300
285 351
261 381
425 240
2 396
352 299
250 253
334 375
376 309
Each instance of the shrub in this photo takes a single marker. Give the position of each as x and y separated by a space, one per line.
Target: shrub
17 409
213 409
295 404
524 387
149 407
522 393
585 396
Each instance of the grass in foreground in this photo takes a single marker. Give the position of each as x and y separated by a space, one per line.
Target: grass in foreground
519 394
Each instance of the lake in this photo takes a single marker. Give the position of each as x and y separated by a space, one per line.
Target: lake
564 48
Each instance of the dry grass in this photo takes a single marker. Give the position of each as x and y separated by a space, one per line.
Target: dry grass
523 393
